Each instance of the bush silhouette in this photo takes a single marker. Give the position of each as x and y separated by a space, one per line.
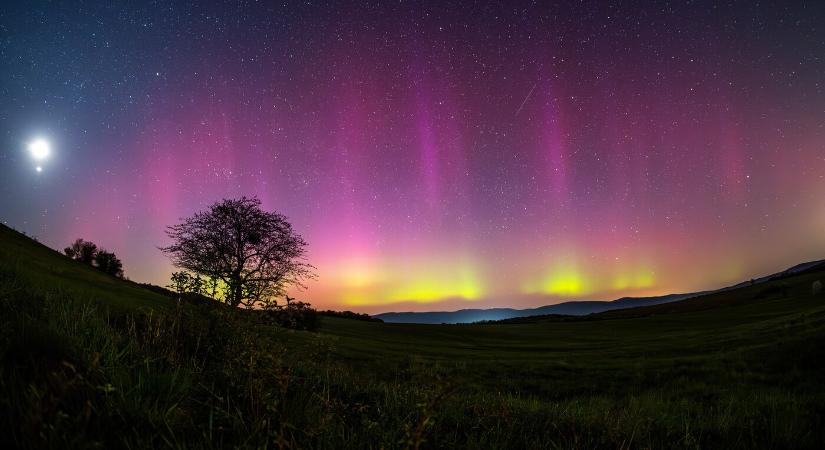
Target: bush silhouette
87 252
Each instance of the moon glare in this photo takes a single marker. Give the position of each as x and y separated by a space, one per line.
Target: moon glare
40 149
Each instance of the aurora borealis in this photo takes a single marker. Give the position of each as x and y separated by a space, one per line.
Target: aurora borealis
435 155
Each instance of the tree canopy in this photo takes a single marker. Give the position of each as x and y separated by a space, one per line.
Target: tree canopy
255 254
88 253
108 262
83 251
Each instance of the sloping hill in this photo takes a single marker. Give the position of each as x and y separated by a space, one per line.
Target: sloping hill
39 265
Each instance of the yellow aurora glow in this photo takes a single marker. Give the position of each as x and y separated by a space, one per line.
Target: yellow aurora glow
366 283
436 287
561 278
566 282
640 279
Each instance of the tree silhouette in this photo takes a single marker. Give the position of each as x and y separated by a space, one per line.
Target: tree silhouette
109 263
180 281
185 283
83 251
255 253
88 253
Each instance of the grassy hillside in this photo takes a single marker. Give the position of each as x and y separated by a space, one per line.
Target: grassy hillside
90 360
38 265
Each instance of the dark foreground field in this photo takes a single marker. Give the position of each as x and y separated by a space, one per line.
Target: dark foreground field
92 361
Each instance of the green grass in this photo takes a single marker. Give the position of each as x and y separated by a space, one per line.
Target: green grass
88 360
42 267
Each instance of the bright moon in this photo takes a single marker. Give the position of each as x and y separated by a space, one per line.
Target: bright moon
39 169
40 149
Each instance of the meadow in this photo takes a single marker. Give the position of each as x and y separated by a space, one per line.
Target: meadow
89 360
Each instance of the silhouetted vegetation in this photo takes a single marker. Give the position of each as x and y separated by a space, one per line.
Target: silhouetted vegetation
108 262
293 314
350 315
88 253
81 251
185 283
248 255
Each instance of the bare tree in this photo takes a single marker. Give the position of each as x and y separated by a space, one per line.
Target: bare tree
255 253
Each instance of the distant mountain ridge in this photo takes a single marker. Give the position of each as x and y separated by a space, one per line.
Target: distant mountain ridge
573 308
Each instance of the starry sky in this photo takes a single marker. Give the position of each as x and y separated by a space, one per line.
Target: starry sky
435 155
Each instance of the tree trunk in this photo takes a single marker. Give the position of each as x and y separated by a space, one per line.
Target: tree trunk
236 291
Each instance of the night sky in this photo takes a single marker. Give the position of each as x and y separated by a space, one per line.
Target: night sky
435 155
